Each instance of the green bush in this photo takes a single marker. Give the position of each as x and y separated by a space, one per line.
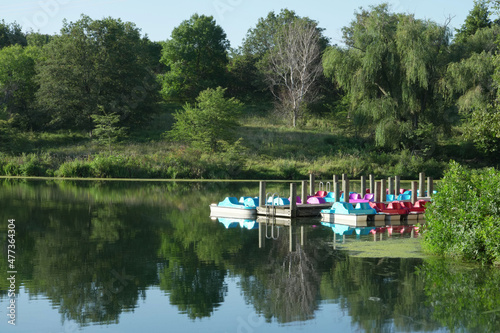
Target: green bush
463 220
11 169
74 169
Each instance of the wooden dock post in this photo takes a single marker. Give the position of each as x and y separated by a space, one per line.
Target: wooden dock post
262 194
430 186
414 186
335 179
377 192
336 189
345 187
372 183
397 185
390 185
363 186
383 192
421 184
303 196
293 202
312 184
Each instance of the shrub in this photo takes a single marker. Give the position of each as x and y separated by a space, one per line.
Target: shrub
74 169
463 220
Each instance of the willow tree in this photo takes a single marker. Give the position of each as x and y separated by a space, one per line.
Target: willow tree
390 71
471 81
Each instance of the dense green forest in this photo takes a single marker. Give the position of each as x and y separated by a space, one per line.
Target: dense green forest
399 96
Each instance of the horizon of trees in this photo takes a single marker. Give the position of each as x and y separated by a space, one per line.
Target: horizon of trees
403 81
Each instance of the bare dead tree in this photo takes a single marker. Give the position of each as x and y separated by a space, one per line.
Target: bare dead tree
294 66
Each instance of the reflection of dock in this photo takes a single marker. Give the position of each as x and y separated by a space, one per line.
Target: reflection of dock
273 228
303 210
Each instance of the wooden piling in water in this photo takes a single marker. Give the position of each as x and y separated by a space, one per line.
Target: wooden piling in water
336 190
414 186
421 184
390 185
430 186
303 196
312 184
292 237
383 192
345 187
397 185
262 194
377 192
293 202
262 235
363 186
372 183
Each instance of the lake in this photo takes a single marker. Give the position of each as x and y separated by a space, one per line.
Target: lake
98 256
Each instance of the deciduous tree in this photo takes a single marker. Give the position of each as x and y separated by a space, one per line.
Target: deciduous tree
294 65
195 57
91 63
18 86
209 121
11 34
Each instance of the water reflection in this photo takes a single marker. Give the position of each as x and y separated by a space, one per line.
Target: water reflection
94 249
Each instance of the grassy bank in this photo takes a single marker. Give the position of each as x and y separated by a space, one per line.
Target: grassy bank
268 149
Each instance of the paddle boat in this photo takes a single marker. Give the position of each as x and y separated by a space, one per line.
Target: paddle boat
246 207
395 213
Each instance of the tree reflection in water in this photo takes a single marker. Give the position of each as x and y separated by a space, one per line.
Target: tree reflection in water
93 249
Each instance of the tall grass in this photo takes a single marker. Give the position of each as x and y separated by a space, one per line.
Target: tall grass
267 150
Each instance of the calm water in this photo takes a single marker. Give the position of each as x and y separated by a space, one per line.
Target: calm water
146 257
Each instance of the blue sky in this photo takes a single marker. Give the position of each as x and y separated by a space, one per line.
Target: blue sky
157 18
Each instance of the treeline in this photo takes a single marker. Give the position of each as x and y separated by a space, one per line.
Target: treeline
403 82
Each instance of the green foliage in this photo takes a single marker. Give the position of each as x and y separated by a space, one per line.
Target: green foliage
37 39
209 121
478 18
286 51
18 86
106 128
463 298
463 221
27 165
483 128
11 34
262 38
195 57
470 82
103 62
390 72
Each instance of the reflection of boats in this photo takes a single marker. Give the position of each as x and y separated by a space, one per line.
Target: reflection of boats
232 207
346 230
363 215
242 223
